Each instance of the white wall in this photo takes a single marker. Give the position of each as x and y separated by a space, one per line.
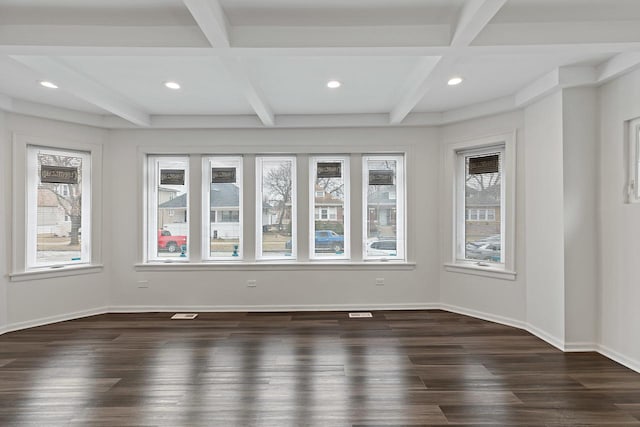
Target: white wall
499 299
35 301
544 217
5 229
619 225
300 288
580 170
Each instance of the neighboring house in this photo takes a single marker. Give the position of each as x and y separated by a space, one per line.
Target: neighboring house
224 212
328 207
482 213
165 194
52 219
382 212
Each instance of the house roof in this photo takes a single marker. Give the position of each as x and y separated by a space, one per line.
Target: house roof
222 195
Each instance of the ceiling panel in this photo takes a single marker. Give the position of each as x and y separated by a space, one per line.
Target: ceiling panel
207 88
495 76
524 11
20 82
340 12
298 85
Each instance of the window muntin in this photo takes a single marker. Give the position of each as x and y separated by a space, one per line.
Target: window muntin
480 234
222 202
276 207
168 208
384 207
329 236
58 207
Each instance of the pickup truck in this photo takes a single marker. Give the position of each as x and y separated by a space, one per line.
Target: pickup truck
167 242
329 240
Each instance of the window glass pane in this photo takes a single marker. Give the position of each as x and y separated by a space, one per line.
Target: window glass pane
277 198
225 207
384 207
483 200
169 213
59 211
330 228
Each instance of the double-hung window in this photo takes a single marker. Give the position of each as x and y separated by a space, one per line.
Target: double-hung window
58 207
222 204
276 207
383 207
483 174
329 207
480 190
168 208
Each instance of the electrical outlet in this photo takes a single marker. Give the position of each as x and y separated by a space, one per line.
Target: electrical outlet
380 281
251 283
143 284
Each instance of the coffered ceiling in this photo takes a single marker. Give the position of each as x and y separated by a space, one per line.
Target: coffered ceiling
256 63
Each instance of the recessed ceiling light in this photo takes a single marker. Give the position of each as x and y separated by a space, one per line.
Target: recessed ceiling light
172 85
48 84
333 84
454 81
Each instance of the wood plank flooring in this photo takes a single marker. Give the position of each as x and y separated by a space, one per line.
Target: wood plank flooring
304 369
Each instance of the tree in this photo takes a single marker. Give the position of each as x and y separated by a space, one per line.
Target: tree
279 184
69 196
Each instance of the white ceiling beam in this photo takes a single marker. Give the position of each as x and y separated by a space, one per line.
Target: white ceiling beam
618 65
417 84
474 17
212 21
250 89
83 87
560 78
495 106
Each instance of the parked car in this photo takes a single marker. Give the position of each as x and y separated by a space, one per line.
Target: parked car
483 251
382 248
170 243
326 240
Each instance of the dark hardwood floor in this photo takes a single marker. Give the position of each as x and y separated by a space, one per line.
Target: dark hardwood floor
304 369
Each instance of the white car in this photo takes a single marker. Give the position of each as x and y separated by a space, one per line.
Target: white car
382 248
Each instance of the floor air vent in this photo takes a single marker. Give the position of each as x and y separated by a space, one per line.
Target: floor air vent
359 315
185 316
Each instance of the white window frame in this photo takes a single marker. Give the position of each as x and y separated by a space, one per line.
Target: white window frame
21 268
633 187
346 176
401 207
151 215
32 208
294 212
456 262
207 164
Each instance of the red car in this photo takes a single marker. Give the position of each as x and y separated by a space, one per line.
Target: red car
167 242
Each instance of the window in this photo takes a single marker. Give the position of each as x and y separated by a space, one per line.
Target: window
168 208
383 197
276 207
481 191
634 161
222 204
329 231
58 207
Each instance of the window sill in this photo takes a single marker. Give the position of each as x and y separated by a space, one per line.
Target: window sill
277 266
52 272
478 270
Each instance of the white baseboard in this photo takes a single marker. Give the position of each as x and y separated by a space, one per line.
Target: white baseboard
53 319
570 347
483 316
268 308
620 358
